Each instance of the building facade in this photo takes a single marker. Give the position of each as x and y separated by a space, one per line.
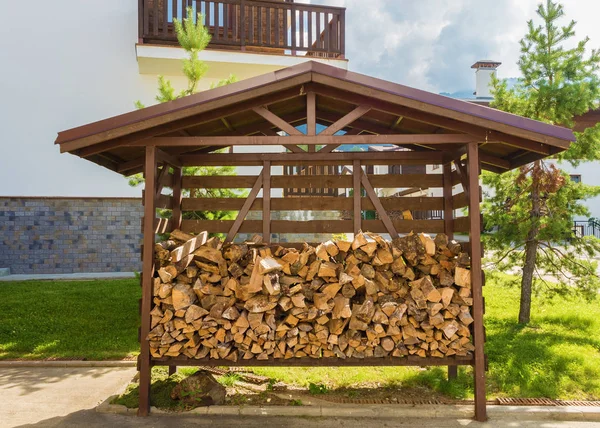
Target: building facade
78 61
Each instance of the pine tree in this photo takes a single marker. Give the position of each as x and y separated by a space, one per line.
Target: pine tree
193 38
531 210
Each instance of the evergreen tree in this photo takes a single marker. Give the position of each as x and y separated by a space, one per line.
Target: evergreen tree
531 210
193 38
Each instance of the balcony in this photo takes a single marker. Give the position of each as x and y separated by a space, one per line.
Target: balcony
278 27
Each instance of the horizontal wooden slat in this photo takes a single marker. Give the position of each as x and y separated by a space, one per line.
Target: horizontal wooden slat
313 181
461 224
460 200
163 201
322 362
317 158
313 203
314 226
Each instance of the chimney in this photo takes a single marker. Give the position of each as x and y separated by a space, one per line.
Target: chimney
484 70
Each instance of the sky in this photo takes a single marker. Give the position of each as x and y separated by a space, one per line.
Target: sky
431 44
65 75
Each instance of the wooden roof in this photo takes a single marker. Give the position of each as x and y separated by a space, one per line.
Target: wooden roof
254 110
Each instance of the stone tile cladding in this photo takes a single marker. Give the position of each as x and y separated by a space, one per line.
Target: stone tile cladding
42 235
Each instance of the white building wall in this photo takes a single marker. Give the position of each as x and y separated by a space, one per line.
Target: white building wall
590 174
65 63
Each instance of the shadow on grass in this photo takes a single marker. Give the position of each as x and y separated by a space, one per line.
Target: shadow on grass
544 360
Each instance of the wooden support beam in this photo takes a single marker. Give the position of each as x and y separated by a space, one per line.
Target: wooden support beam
203 114
449 228
368 158
476 281
266 202
383 215
311 113
299 138
452 124
448 202
177 198
165 157
329 148
293 149
357 214
245 208
359 111
276 120
147 276
461 170
158 186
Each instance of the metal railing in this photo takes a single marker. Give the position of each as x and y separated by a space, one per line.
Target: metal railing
254 25
590 227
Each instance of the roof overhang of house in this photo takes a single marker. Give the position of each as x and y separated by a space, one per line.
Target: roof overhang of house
369 110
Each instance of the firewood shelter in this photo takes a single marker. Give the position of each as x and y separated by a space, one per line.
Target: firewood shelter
311 112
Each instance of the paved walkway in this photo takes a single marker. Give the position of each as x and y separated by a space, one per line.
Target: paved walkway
66 397
90 419
29 395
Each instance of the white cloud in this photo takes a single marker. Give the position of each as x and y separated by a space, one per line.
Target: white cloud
430 44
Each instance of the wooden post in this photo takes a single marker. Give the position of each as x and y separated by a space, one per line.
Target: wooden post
177 196
476 279
176 216
356 173
267 202
311 115
147 275
449 228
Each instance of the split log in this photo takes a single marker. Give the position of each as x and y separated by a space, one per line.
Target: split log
365 298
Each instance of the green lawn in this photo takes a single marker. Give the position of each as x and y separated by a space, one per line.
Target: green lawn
95 320
556 356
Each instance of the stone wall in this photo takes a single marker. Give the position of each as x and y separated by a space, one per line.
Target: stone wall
41 235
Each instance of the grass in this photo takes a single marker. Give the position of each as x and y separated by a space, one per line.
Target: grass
92 320
556 356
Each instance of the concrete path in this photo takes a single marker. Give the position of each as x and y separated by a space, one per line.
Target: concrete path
90 419
29 395
67 397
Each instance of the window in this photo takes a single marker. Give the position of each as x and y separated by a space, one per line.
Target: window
575 178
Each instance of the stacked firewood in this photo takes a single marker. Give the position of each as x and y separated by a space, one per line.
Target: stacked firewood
365 298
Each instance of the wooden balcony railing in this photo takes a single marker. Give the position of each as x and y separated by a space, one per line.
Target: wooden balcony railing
272 26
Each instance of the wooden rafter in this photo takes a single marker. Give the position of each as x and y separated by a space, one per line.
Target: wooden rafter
276 120
341 123
207 116
245 208
432 119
